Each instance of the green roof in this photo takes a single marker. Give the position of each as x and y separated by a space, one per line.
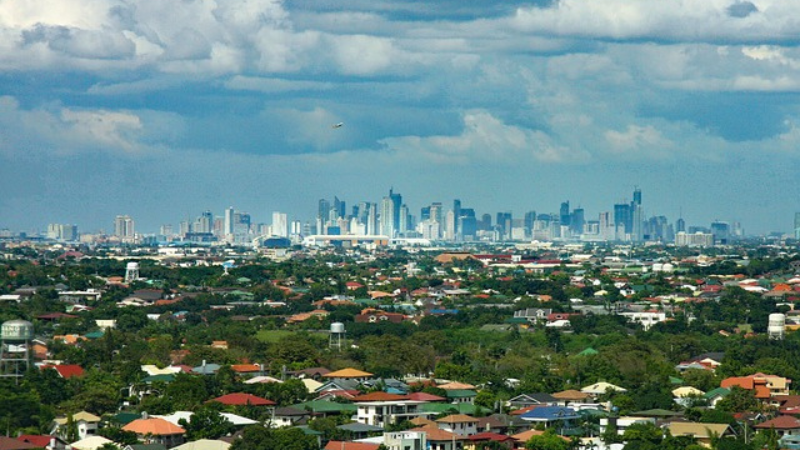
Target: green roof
588 351
309 431
94 334
516 320
324 406
675 380
656 413
461 393
720 391
165 377
125 418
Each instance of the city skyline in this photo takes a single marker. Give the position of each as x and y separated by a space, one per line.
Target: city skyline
455 221
165 109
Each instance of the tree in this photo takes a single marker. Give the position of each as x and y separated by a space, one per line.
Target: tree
206 423
548 441
258 437
739 400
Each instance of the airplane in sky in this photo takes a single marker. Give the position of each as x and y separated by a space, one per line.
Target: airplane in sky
338 125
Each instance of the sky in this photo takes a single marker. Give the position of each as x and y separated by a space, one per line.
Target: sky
163 109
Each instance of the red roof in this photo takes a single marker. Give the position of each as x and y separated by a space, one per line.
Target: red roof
343 445
242 399
7 443
487 436
66 370
35 439
380 397
781 423
425 397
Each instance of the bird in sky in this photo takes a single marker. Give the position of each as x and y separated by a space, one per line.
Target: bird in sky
338 125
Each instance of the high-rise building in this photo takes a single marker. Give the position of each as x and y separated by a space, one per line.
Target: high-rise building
680 225
124 227
623 220
456 213
436 212
387 217
280 224
721 231
397 201
425 213
204 223
797 225
564 213
576 221
404 215
504 224
372 219
229 221
323 209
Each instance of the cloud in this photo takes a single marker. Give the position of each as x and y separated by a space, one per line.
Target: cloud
275 85
58 131
639 140
484 140
717 21
742 9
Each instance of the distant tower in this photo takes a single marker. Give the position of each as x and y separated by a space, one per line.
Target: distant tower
15 345
337 336
776 327
131 272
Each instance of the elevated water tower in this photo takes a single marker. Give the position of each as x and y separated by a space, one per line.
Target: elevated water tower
337 336
131 272
15 348
776 326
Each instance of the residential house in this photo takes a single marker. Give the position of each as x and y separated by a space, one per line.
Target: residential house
764 386
601 388
479 441
782 425
86 425
460 424
621 424
561 418
405 440
456 396
154 430
289 417
437 439
241 399
43 441
702 432
383 409
526 400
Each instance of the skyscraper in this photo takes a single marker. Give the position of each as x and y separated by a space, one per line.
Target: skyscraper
397 201
280 224
797 225
387 217
564 213
457 214
124 227
229 223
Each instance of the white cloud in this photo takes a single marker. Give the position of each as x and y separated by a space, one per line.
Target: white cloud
639 140
68 131
484 140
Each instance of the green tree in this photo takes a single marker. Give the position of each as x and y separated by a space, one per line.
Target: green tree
549 441
258 437
739 400
206 423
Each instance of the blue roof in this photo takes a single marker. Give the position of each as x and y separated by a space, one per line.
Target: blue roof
548 413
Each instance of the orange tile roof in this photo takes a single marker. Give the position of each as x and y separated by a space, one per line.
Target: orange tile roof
347 373
244 368
242 399
435 434
154 426
571 394
457 418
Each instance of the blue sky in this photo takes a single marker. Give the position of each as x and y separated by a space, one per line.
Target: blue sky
163 109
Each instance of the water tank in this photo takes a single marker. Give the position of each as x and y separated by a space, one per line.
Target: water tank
337 327
132 266
776 326
17 330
